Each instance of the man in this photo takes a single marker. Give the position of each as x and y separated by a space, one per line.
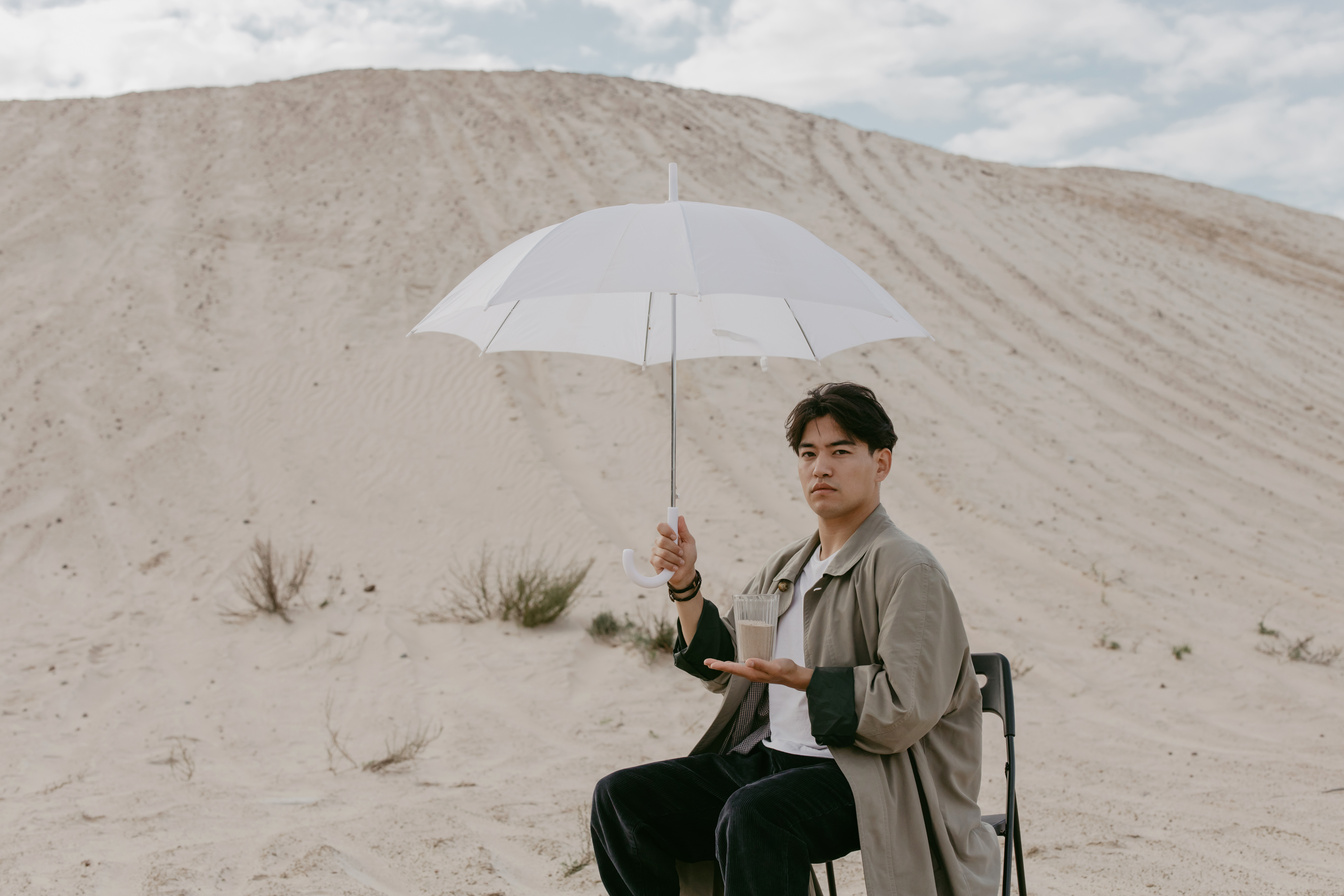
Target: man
862 732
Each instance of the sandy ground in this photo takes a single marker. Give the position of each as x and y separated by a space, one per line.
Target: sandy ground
1126 438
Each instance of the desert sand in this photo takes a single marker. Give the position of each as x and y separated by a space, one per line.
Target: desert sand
1125 439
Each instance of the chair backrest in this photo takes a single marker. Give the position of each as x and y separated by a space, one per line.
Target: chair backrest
997 693
996 696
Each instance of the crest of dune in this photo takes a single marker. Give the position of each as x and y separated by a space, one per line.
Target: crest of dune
1129 431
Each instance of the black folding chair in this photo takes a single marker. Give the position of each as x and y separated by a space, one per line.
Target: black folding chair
996 696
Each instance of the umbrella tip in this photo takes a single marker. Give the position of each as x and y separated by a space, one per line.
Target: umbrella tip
671 181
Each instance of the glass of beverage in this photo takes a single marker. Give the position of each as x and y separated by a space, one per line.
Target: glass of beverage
755 616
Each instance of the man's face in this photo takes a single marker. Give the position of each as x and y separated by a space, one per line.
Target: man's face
838 474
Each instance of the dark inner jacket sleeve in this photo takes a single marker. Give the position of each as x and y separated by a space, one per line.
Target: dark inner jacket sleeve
712 641
830 706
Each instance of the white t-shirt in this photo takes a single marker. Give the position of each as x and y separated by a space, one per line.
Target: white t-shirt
790 726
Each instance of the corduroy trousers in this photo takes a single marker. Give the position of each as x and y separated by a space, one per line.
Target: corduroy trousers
764 817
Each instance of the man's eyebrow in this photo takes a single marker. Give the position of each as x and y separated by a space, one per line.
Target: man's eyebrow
829 444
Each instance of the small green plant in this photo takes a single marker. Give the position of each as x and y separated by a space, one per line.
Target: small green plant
1266 630
270 584
650 635
606 627
1105 642
530 589
535 594
1180 650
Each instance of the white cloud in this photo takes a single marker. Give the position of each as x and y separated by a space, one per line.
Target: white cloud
807 54
105 47
1040 123
813 52
1293 147
645 23
1256 49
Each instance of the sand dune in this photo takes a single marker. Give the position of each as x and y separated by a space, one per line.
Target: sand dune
1127 432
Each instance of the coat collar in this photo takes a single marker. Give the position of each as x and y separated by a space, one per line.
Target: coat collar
844 559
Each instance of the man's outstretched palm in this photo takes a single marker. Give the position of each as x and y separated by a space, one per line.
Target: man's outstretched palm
781 671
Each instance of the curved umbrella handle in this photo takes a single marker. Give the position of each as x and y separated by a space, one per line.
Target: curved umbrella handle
628 560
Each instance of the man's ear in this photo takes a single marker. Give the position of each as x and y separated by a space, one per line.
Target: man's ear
883 456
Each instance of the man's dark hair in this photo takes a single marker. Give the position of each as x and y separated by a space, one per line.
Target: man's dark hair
854 408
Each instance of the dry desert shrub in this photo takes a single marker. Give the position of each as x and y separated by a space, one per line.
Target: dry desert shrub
521 586
1296 650
571 867
404 746
179 759
472 596
400 748
1300 650
577 862
271 584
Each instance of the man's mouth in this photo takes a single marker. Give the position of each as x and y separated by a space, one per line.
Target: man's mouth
822 487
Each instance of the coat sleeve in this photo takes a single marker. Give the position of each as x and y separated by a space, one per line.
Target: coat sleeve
889 704
713 640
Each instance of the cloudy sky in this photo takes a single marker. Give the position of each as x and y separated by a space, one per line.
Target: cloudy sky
1242 94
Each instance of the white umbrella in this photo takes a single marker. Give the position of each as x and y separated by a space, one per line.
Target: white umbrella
668 281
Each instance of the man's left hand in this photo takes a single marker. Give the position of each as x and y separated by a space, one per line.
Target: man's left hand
780 671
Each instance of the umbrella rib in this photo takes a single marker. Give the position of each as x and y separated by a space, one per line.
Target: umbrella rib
648 324
686 232
801 331
498 329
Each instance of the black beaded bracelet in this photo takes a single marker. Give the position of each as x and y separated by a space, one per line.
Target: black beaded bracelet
695 583
690 590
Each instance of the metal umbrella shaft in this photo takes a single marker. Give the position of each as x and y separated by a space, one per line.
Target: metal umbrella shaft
628 556
672 499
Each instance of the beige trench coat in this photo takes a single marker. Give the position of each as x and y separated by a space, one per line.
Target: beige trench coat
884 608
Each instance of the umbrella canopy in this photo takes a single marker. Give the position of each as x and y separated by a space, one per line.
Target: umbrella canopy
675 280
602 283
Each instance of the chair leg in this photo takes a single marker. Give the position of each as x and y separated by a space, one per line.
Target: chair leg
830 877
1017 848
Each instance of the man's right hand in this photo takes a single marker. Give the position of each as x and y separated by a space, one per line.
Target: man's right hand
676 555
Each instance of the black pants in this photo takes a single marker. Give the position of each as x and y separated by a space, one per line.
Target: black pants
765 817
